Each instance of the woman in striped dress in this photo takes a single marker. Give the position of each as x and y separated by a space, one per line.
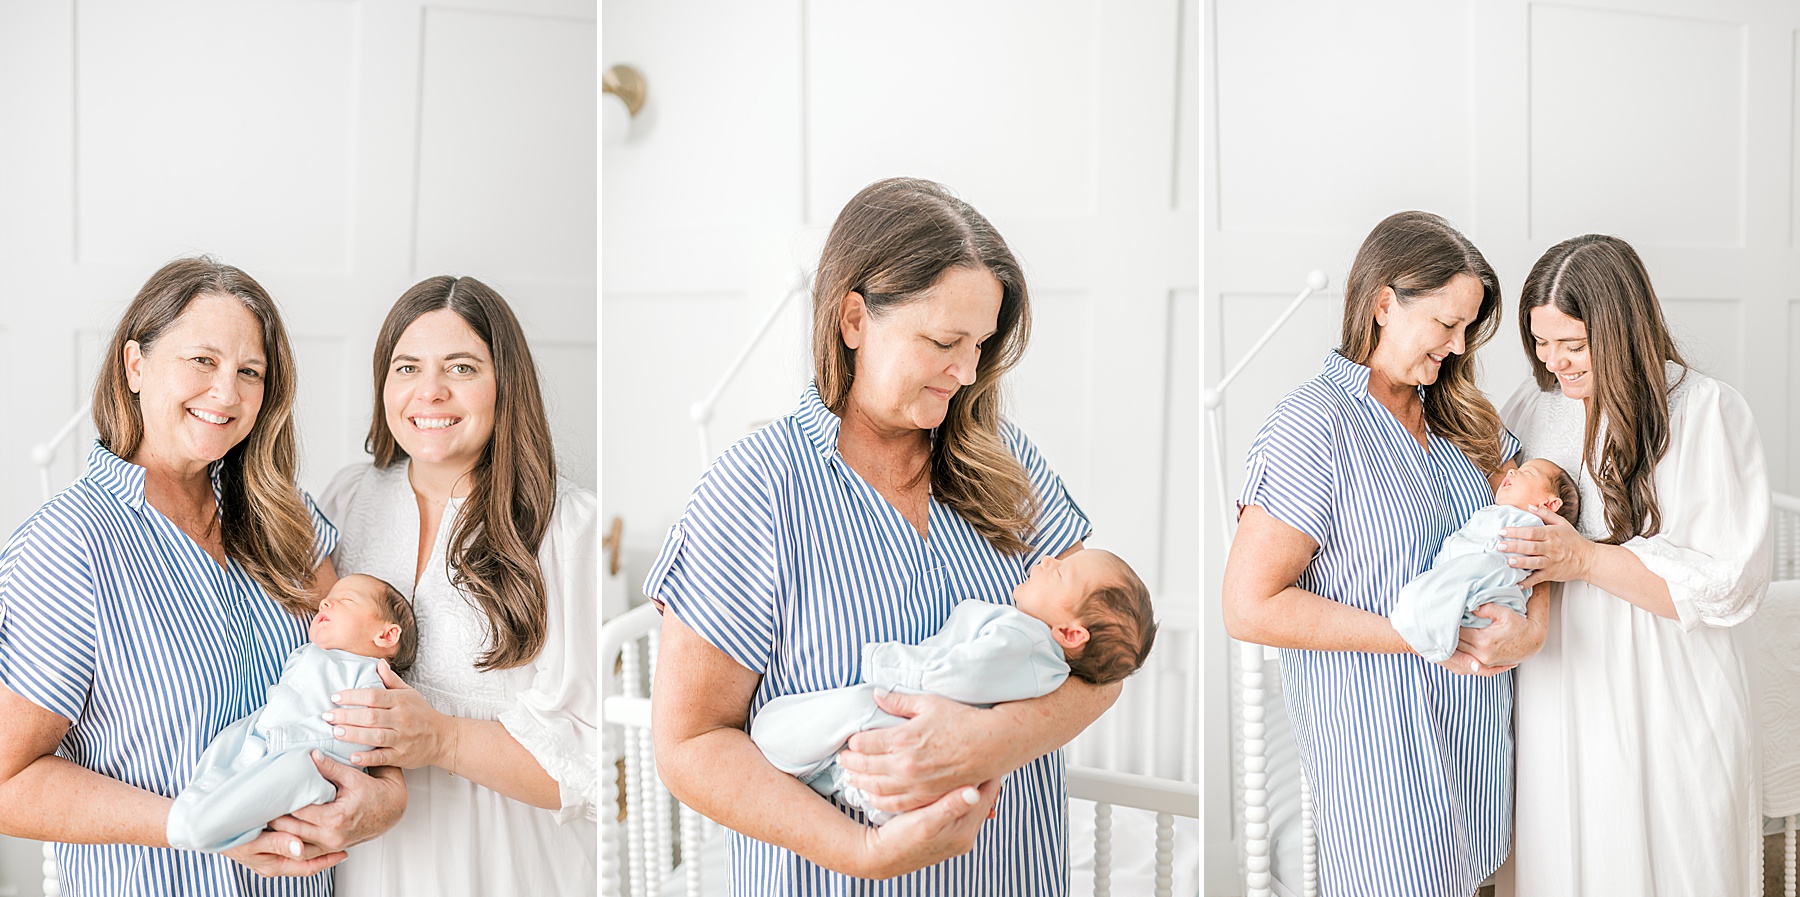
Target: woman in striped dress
1354 481
152 603
891 493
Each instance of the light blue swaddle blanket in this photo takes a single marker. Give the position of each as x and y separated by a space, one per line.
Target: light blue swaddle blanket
1468 571
260 767
985 653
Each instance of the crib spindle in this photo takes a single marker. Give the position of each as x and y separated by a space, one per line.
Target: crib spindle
610 848
1102 850
1256 795
53 879
690 849
1789 876
635 802
1309 841
1165 855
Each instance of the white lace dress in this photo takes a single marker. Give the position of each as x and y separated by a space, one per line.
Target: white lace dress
459 839
1636 762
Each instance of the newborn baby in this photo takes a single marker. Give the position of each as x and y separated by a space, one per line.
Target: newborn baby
1088 614
1470 571
260 767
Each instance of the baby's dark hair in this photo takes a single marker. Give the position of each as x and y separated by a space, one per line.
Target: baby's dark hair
1568 492
1121 628
397 610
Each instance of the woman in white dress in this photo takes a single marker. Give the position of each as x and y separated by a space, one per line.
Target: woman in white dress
1636 771
497 727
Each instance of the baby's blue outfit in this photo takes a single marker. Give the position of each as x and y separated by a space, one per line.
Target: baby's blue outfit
985 653
260 767
1468 571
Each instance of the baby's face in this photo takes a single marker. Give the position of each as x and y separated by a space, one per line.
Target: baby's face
349 618
1054 589
1533 483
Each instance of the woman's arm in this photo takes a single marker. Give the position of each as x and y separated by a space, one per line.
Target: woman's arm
47 798
1556 552
407 732
701 702
1262 604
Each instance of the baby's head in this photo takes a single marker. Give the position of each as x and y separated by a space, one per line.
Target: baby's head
1542 483
364 615
1096 608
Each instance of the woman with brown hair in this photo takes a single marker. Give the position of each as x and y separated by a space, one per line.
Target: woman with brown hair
1636 763
892 492
1353 483
151 603
497 725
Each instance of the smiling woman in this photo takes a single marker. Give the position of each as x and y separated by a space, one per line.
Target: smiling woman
152 602
462 509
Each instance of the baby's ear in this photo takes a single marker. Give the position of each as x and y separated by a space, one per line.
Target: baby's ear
1070 635
1553 505
388 637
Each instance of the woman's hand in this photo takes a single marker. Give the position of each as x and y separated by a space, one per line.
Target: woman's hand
941 830
1509 637
402 727
1554 552
1462 663
366 805
943 746
278 854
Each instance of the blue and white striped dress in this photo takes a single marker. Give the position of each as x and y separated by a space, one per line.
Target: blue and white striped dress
115 619
788 561
1411 765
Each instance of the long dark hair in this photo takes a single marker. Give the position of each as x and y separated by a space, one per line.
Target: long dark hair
1414 253
1601 282
890 244
263 523
493 547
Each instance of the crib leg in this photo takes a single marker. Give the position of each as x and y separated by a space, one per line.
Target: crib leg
1102 850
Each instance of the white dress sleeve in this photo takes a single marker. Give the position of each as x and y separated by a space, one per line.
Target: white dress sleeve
338 496
1713 488
557 718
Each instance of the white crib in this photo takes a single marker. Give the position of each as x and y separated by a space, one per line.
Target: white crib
1137 766
1273 807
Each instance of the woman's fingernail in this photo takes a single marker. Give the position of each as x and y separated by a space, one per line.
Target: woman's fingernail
338 731
1474 666
294 848
326 716
356 759
337 699
971 796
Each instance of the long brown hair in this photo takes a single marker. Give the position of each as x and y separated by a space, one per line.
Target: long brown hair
890 244
1601 282
493 547
262 521
1413 253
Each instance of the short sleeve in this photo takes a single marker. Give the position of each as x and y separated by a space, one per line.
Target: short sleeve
48 609
1713 489
557 718
717 567
1290 472
1509 446
325 535
1060 522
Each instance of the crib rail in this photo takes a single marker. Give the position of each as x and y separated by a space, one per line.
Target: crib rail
647 838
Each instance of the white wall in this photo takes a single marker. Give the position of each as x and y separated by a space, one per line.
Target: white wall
1668 123
1071 124
338 150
